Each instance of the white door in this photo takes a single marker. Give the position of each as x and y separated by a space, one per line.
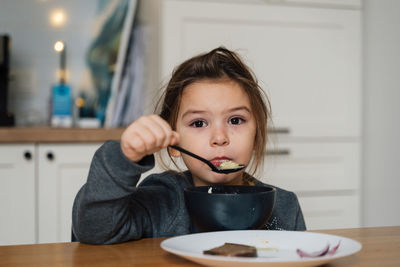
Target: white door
63 169
307 59
17 194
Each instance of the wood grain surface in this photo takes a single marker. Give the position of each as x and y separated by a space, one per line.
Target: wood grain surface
58 135
381 247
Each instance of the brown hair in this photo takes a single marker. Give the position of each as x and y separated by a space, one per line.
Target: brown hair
219 63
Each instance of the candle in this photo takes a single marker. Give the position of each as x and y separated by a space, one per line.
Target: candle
60 47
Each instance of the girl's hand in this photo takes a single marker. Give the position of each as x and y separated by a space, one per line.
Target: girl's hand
146 136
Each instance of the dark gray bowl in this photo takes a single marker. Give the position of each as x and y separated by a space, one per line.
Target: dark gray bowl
230 207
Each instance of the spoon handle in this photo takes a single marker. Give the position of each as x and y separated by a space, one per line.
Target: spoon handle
195 156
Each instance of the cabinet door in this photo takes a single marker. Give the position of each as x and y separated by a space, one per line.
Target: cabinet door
17 194
331 211
325 177
307 59
63 169
313 166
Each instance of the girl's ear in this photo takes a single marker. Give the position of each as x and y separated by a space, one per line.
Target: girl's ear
173 152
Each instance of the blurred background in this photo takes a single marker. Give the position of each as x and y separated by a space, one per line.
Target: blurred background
330 68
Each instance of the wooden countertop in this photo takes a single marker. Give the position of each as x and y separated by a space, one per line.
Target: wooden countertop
381 247
58 135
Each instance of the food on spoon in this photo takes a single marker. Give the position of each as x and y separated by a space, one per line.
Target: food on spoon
233 250
228 164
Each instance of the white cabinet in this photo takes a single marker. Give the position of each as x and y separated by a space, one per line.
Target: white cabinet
38 183
325 177
17 194
62 170
308 59
331 210
314 166
307 56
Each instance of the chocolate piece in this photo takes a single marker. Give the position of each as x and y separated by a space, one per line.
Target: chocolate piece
233 250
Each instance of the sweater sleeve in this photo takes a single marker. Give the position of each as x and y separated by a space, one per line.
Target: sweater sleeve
287 214
102 211
300 224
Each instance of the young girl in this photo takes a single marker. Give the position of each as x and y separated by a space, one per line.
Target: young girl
213 107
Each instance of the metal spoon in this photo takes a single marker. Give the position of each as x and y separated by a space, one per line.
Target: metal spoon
212 166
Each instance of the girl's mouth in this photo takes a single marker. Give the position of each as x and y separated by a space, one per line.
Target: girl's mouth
219 160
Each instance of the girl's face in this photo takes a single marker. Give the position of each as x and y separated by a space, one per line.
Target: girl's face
215 121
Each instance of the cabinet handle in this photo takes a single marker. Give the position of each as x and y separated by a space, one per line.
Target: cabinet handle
283 130
28 155
278 152
50 156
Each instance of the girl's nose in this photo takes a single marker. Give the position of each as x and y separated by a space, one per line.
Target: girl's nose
219 137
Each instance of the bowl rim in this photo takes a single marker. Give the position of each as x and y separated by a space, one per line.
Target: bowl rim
269 188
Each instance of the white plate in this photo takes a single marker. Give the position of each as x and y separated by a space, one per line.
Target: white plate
284 244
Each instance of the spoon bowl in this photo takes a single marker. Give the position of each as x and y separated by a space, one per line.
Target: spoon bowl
212 166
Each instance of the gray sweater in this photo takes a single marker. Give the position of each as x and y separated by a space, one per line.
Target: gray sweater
111 208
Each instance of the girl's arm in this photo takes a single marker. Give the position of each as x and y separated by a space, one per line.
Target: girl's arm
109 208
101 206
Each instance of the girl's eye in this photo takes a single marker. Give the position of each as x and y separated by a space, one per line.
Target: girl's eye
236 120
198 124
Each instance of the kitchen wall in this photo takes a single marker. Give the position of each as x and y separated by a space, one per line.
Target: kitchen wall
381 130
34 63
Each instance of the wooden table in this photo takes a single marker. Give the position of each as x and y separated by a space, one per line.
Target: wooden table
381 247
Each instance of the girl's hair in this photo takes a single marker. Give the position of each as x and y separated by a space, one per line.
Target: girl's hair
219 63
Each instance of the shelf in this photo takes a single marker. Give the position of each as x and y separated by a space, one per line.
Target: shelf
58 135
